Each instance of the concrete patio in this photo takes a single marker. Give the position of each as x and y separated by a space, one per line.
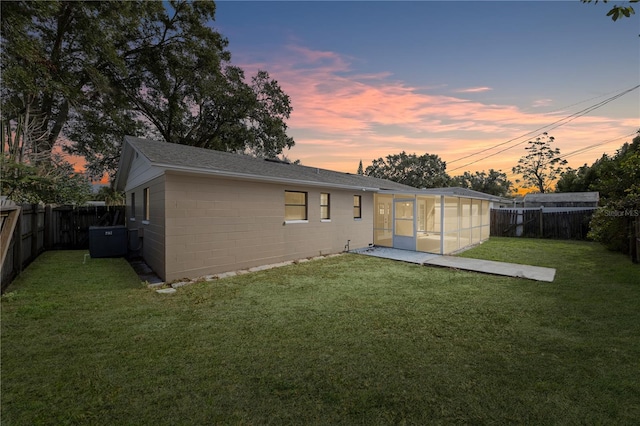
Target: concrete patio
536 273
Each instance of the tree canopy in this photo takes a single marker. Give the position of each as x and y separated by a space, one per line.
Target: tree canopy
542 164
617 179
425 171
494 182
83 74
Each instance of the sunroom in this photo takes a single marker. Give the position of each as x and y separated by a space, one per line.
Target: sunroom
440 220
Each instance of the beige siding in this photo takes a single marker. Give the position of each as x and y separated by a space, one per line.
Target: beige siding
217 225
152 231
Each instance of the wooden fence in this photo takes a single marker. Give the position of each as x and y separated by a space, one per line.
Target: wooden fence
536 223
41 228
635 241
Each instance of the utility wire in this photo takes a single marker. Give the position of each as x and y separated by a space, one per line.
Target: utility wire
590 147
551 126
567 118
581 102
581 150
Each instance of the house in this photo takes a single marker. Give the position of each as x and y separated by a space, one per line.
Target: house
563 199
194 212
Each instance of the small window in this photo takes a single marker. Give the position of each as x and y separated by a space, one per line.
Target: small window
132 216
145 206
357 207
325 206
295 205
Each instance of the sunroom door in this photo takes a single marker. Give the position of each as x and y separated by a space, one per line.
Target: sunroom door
404 224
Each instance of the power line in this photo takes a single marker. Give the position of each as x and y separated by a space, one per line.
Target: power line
551 126
583 149
590 147
581 102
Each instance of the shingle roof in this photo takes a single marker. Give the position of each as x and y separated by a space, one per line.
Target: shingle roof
188 158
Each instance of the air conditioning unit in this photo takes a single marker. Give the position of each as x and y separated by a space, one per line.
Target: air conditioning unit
108 241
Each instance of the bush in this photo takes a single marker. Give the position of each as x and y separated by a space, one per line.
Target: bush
610 229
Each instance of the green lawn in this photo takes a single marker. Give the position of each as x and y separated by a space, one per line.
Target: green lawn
346 340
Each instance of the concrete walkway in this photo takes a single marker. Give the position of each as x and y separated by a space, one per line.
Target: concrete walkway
476 265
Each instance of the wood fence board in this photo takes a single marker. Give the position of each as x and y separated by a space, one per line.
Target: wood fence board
536 223
41 228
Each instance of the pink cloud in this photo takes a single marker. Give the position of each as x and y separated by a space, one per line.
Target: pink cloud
542 103
341 116
474 89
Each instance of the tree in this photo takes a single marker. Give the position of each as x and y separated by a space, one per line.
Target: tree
110 196
541 165
616 11
58 183
426 171
494 182
360 170
573 180
92 72
618 181
583 179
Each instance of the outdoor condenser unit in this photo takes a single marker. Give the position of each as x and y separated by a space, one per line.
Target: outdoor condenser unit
108 241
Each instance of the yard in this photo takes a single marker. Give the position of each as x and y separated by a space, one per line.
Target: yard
346 340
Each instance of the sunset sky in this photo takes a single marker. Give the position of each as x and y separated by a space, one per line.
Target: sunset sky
368 79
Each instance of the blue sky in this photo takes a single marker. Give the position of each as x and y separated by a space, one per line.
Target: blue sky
368 79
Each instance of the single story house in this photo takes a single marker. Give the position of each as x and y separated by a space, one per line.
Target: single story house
194 212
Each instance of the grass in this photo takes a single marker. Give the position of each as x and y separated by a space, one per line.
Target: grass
346 340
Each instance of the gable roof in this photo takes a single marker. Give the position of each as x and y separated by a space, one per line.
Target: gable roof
184 158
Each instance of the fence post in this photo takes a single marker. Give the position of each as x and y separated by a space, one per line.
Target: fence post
634 240
637 242
17 251
541 226
48 227
34 231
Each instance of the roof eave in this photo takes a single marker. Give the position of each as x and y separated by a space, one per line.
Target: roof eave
259 178
435 192
124 165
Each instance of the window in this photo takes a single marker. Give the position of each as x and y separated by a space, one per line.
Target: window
132 216
145 205
357 206
295 205
325 206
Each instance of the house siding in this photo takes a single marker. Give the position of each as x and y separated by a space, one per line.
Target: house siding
216 225
151 233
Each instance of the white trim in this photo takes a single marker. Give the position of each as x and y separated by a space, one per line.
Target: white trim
296 221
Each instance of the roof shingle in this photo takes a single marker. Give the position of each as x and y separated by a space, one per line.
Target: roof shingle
174 156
